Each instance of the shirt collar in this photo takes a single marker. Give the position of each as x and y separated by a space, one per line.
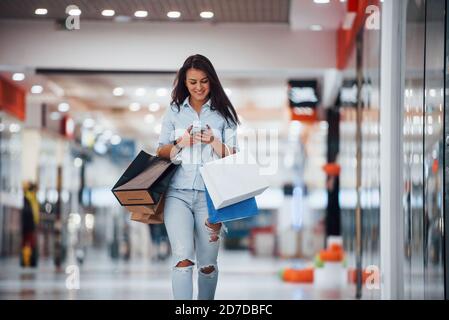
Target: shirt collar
187 104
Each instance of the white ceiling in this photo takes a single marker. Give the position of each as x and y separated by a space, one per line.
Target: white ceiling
300 14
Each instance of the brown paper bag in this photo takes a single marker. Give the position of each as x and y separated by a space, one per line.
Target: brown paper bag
152 214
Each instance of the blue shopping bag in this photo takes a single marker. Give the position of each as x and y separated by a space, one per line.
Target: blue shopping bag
243 209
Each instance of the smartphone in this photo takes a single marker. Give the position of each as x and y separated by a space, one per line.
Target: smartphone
196 127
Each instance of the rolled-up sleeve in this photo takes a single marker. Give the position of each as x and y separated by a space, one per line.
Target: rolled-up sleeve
167 129
229 135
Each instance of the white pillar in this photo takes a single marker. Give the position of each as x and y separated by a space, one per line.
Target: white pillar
391 155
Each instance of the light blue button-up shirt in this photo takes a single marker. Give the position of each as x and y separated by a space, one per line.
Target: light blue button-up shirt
175 123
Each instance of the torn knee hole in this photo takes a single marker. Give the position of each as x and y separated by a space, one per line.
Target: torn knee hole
184 263
208 270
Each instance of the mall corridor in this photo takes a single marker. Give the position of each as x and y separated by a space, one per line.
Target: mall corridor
122 124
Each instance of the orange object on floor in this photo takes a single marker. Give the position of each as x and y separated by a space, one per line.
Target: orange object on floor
332 169
331 256
335 247
352 276
298 275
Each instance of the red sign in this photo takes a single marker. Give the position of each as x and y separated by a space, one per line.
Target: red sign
12 99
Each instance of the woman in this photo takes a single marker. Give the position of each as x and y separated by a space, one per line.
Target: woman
199 126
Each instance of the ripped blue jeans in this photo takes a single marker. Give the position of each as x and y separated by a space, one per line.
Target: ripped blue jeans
185 215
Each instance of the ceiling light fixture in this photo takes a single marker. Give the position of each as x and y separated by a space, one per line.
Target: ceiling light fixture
108 13
207 14
41 11
135 106
18 76
36 89
141 14
154 107
149 118
118 92
63 107
173 14
74 12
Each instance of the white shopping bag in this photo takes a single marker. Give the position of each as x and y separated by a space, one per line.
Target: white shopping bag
233 179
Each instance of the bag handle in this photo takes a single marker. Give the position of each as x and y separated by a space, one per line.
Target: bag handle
227 148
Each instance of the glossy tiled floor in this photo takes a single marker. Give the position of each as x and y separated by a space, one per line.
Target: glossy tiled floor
242 277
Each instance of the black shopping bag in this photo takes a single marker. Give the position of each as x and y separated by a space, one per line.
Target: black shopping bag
144 181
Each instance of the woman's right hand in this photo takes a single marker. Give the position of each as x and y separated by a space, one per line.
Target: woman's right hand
186 140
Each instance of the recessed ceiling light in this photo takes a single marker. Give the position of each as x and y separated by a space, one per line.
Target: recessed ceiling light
174 14
161 92
135 106
149 118
108 13
140 92
63 107
321 1
118 92
41 11
158 128
316 27
154 107
18 76
74 12
141 14
37 89
207 14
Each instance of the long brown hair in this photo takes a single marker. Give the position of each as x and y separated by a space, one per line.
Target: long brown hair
219 99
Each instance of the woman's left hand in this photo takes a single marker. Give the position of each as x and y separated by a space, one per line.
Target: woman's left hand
207 136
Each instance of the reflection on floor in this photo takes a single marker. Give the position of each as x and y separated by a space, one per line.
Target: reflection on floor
242 277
